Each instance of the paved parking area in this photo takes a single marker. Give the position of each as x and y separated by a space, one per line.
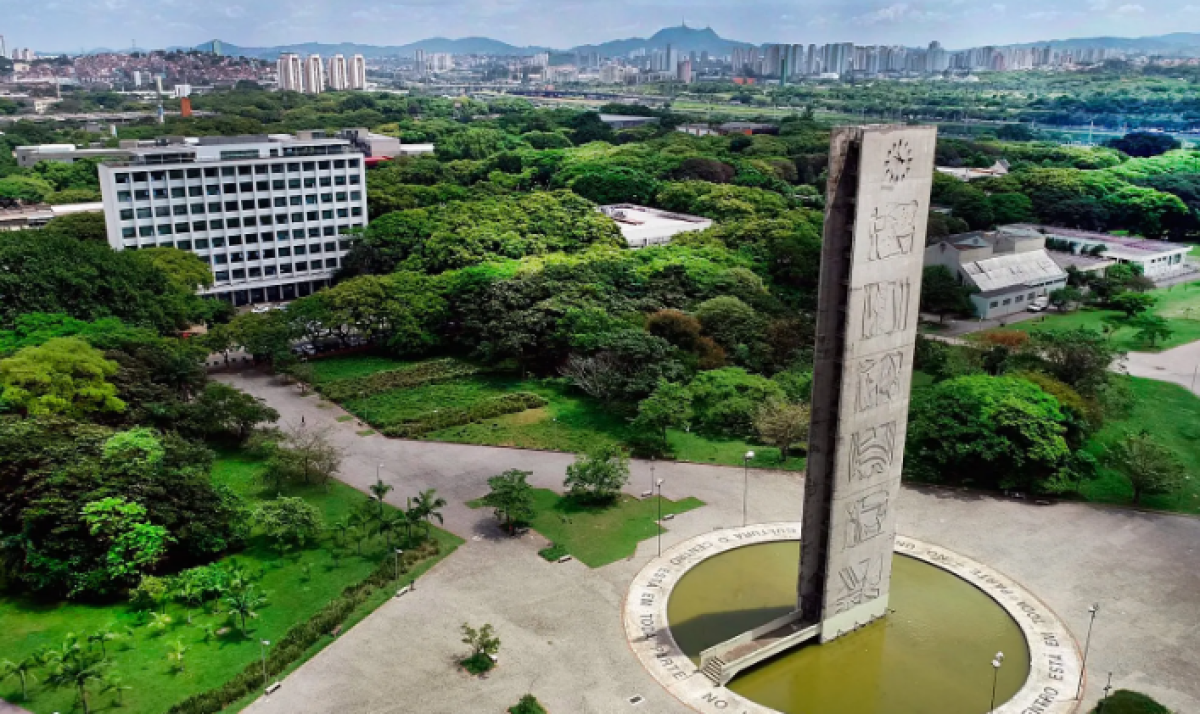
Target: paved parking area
561 627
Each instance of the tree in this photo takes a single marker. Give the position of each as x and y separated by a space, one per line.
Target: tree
942 295
1010 208
266 336
1132 303
1151 328
222 411
729 321
1144 144
22 669
616 184
991 432
1064 299
101 637
725 400
77 667
678 328
183 268
175 654
511 497
64 376
289 522
115 684
484 646
670 405
243 603
599 474
379 490
303 453
134 545
1150 467
429 505
782 424
81 226
1079 357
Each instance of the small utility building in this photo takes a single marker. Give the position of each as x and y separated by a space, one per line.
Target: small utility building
1008 272
642 227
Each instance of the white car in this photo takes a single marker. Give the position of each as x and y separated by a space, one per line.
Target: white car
261 309
1039 305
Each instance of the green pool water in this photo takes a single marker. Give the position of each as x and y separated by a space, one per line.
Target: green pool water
931 655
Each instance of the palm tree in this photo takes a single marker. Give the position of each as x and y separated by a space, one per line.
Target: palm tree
22 669
190 590
380 489
102 636
412 517
243 604
175 653
114 683
429 504
388 526
76 667
360 521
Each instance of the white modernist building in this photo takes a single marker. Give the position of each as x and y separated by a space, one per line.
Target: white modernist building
1007 271
642 227
358 72
314 75
1157 258
270 214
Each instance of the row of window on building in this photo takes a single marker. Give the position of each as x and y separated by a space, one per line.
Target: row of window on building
243 170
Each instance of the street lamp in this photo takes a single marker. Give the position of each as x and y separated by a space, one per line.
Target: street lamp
1086 645
651 473
1107 689
746 483
999 660
398 554
658 485
262 646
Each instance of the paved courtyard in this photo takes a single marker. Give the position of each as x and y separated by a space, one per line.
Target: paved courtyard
561 624
1180 365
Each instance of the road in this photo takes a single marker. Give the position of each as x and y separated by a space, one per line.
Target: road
560 624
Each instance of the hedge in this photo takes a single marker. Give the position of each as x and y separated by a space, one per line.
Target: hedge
301 636
446 418
439 370
1124 701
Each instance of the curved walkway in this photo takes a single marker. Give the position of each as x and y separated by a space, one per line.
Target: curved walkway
561 624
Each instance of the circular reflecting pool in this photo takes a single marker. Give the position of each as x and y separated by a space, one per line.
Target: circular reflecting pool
931 655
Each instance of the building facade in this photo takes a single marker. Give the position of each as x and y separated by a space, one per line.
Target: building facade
314 75
358 72
290 69
1008 272
338 78
271 215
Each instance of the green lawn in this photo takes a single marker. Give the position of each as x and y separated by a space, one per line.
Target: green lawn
296 585
1172 414
334 368
570 421
597 536
1179 304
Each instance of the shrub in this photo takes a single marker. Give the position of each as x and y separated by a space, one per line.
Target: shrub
1012 339
446 418
528 705
440 370
554 552
1124 701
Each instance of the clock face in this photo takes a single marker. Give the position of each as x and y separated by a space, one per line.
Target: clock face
898 163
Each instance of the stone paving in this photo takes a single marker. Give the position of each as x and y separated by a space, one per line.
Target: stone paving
561 624
1180 365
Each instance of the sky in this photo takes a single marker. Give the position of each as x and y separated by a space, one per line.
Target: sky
69 25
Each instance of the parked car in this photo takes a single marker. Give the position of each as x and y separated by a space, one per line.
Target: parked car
1039 305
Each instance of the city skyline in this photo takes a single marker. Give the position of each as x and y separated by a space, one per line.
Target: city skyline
59 27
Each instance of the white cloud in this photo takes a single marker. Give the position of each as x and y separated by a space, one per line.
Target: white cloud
1043 15
1130 10
890 13
1189 9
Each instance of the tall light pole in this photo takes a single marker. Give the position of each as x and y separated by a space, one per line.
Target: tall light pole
746 483
651 473
262 646
1107 689
398 554
1086 645
658 485
999 660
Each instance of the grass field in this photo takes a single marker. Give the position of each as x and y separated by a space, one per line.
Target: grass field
1172 414
296 585
597 536
1179 304
570 421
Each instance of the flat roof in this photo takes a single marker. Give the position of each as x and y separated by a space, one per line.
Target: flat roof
638 223
1085 263
1004 272
1130 246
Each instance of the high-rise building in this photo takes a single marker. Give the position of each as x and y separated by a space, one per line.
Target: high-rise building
272 216
338 79
358 72
684 72
290 70
314 75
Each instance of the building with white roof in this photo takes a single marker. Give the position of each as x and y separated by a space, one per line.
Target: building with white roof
1008 272
642 227
1157 258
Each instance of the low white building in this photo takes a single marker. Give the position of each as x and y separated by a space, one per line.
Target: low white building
1007 272
642 227
964 173
1157 258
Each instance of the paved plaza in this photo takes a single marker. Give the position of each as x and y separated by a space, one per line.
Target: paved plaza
561 624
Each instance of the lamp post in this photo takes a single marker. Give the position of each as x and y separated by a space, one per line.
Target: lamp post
999 660
651 473
1086 645
1107 689
398 554
746 483
262 646
658 485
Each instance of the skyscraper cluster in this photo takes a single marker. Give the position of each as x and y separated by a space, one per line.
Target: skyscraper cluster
311 75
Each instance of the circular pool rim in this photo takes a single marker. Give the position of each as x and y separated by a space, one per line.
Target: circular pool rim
1053 652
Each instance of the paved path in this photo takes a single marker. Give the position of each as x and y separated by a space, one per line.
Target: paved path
561 627
1178 365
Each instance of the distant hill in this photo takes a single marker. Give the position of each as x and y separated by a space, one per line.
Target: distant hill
682 38
462 46
1187 43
